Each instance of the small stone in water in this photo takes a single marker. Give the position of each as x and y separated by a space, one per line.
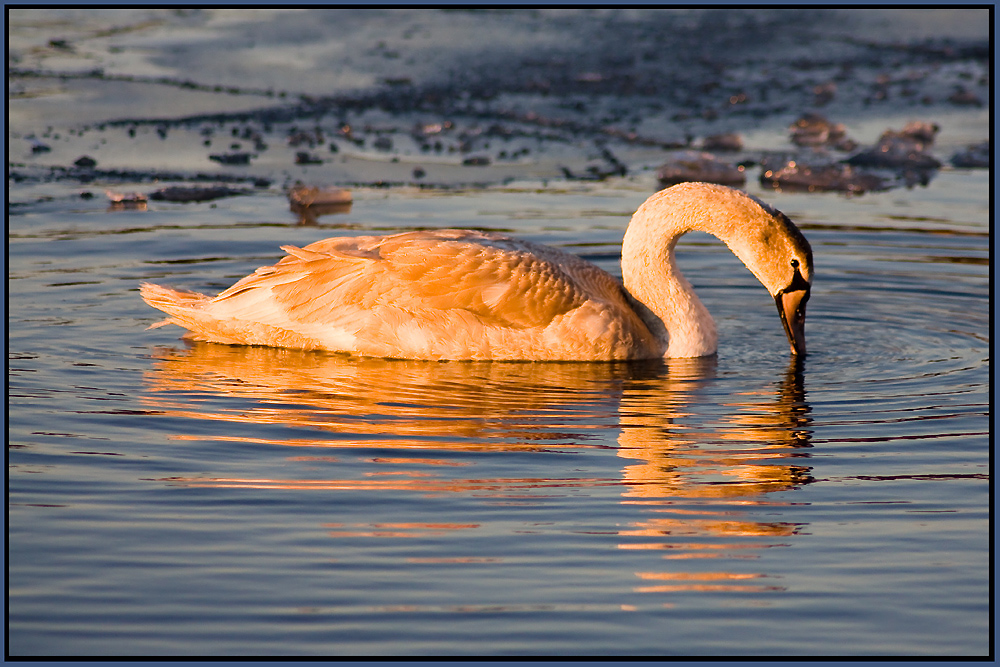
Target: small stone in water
703 167
230 158
976 156
821 178
311 195
722 142
303 157
194 194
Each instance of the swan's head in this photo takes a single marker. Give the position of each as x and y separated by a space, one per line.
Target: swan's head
779 255
770 245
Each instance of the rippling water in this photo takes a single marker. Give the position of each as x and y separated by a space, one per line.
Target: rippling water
204 499
176 499
167 498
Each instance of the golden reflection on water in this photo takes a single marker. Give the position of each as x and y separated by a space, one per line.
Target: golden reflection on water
748 450
754 447
392 404
697 466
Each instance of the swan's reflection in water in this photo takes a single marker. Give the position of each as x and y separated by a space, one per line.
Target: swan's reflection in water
699 454
747 450
684 464
328 400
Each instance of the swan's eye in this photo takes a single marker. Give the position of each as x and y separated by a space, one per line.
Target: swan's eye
795 263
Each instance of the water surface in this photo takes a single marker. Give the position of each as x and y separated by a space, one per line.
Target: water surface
179 499
209 499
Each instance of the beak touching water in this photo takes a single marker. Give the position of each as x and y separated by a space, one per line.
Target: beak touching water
792 308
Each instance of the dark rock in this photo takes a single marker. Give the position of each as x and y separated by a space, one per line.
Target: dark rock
965 98
194 194
703 167
307 138
303 157
824 93
722 142
977 156
919 130
813 129
126 201
231 158
821 178
309 214
896 151
310 195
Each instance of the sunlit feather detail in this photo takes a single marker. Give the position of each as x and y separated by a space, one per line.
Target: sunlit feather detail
461 294
448 294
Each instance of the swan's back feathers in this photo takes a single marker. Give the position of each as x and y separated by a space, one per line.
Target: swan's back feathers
431 294
495 278
492 277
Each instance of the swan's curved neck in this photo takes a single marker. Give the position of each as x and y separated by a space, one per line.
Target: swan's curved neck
661 296
761 237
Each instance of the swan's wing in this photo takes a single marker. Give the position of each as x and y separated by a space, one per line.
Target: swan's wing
501 281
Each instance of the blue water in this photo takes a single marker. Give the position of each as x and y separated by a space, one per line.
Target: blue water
174 499
167 498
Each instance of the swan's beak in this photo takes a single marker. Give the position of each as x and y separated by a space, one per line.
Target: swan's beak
792 308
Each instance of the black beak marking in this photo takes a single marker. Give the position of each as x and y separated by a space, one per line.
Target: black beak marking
791 303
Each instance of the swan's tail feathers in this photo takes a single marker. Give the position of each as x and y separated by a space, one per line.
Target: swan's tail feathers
184 307
201 316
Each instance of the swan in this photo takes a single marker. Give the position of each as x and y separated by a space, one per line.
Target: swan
462 295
